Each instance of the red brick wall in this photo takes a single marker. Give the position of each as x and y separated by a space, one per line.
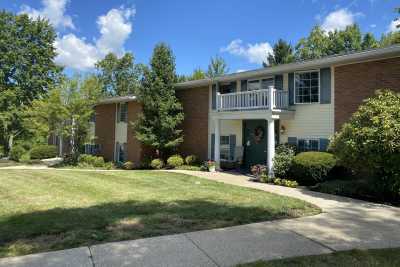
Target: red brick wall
195 103
356 82
135 152
105 130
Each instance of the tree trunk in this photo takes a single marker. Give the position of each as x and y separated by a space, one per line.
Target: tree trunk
10 142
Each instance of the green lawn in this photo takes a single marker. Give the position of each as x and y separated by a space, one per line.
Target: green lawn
42 210
356 258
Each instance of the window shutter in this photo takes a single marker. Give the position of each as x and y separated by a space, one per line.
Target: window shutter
323 144
325 94
279 82
214 97
292 141
291 88
243 85
232 146
212 146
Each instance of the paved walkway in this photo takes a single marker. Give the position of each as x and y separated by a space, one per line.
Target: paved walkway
344 224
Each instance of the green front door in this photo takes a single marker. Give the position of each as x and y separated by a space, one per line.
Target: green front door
254 142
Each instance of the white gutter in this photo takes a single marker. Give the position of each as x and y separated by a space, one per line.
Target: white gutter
116 99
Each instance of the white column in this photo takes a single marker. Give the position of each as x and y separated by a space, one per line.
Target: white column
271 146
217 152
271 97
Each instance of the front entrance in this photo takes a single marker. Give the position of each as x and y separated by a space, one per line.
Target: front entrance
254 143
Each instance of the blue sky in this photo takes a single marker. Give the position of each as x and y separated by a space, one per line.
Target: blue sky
240 31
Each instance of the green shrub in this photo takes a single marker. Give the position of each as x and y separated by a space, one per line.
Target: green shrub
90 160
310 168
191 160
370 142
2 152
128 165
43 152
26 158
16 152
283 160
285 182
157 164
109 165
175 161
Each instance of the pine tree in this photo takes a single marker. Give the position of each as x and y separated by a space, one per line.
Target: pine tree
282 54
157 126
217 67
369 41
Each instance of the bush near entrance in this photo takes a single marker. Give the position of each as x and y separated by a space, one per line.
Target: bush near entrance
43 152
369 143
310 168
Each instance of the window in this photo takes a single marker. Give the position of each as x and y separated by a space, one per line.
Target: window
308 145
93 117
122 112
260 84
92 149
225 148
307 87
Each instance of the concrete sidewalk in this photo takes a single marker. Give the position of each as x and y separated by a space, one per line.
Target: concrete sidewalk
344 224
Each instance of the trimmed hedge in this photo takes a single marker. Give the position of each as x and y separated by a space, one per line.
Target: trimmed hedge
157 164
43 152
175 161
310 168
90 160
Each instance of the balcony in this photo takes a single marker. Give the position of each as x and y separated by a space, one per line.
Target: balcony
269 99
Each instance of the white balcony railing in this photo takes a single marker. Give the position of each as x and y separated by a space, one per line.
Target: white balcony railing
257 99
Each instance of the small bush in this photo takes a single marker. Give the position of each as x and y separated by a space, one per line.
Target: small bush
157 164
26 158
285 182
283 160
109 165
146 162
175 161
128 165
43 152
2 152
191 160
16 152
259 170
310 168
90 160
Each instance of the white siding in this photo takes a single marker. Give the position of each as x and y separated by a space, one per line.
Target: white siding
228 127
310 120
121 130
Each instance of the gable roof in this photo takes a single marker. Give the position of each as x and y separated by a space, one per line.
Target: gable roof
339 59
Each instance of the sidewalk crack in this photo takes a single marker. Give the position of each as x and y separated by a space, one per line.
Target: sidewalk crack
91 257
202 250
312 240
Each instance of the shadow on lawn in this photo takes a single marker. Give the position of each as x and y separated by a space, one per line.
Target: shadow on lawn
65 228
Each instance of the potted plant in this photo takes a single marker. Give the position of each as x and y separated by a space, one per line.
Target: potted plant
211 165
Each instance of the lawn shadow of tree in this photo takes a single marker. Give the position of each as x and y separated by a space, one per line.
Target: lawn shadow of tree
61 228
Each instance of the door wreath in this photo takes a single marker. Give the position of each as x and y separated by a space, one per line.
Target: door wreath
258 134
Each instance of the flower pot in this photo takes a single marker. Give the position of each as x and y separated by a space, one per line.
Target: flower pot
211 168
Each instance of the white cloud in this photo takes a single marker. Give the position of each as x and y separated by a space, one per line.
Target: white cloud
254 53
75 53
115 27
393 26
373 25
240 70
339 19
53 10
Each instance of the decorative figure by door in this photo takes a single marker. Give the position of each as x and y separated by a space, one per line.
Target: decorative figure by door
258 134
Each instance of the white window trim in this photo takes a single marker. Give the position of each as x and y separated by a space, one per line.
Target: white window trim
259 82
319 87
309 138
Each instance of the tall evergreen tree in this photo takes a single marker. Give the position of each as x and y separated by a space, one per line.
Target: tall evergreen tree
217 67
282 53
369 41
119 76
27 69
158 125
